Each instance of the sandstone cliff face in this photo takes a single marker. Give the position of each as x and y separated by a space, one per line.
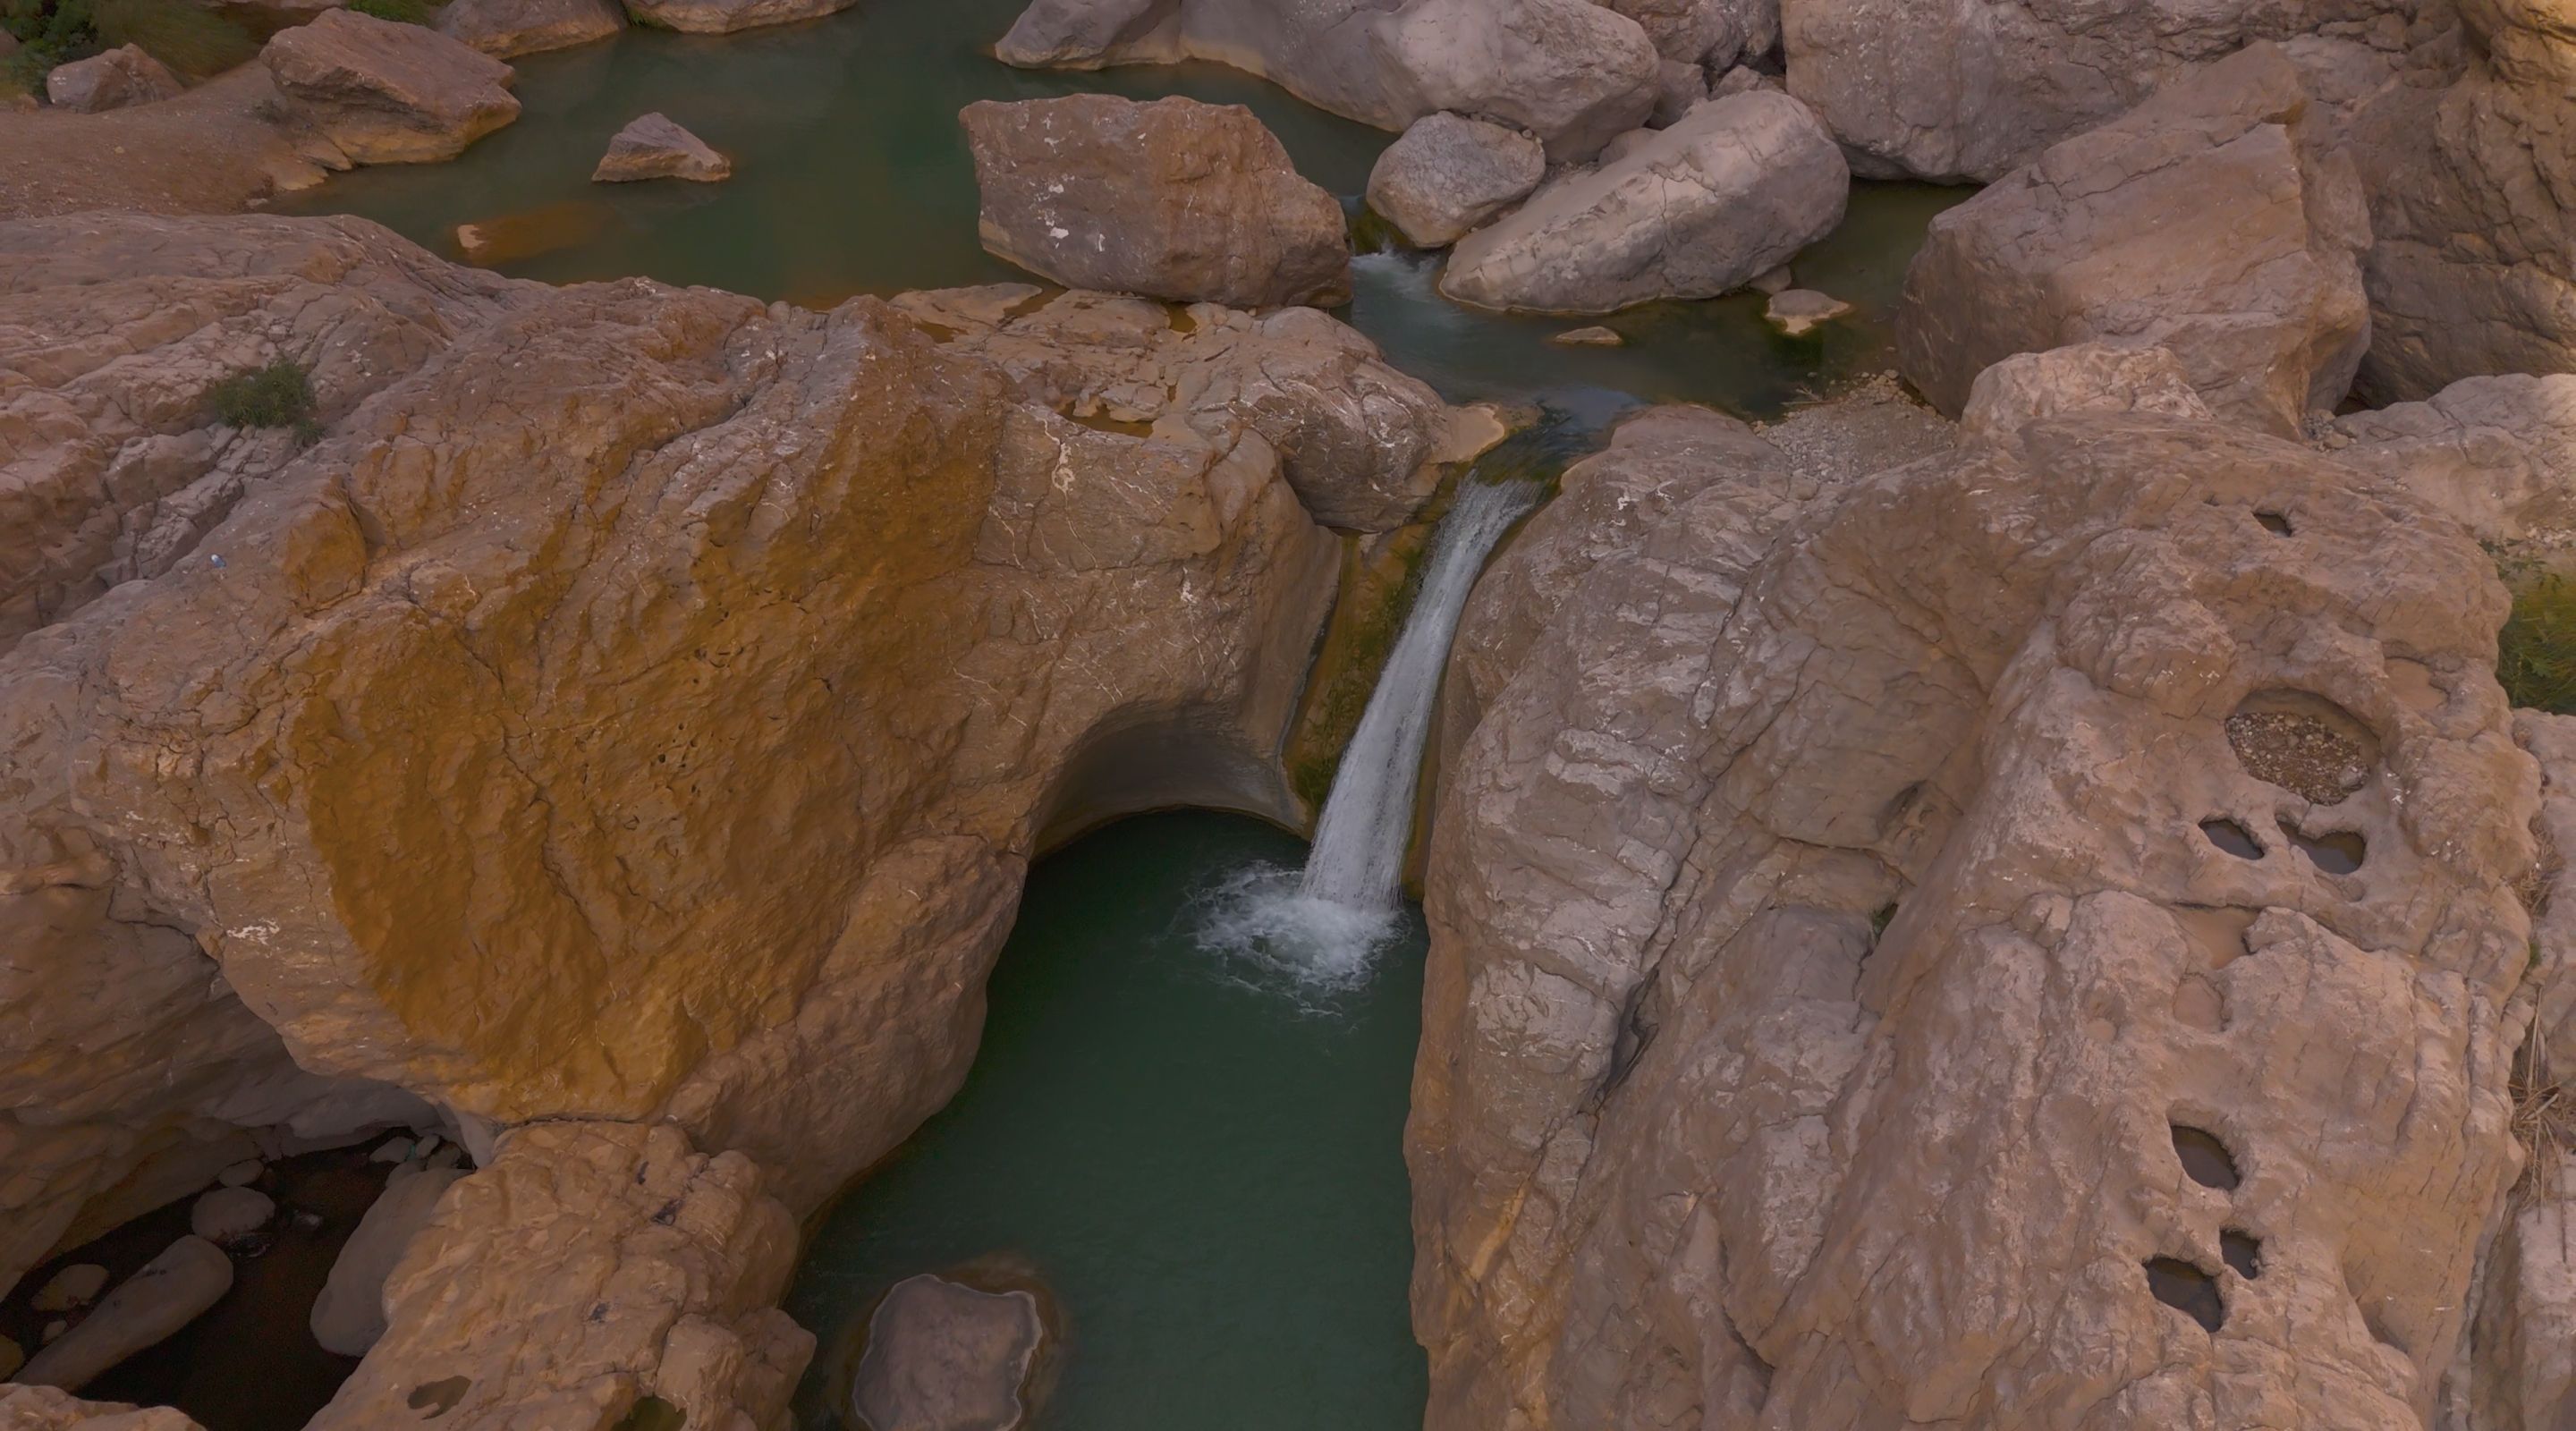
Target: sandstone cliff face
1837 953
639 703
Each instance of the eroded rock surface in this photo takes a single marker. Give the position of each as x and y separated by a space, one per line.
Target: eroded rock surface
1731 192
1171 199
2497 454
1833 949
2214 220
1447 173
756 649
590 1266
385 92
45 1408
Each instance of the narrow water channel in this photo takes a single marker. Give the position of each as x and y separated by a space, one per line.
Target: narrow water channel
1198 1154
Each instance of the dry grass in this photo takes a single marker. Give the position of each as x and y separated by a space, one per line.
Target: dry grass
2544 1116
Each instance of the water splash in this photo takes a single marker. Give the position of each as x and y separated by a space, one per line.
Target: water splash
1322 925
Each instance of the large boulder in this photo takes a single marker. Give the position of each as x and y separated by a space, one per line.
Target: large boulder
1447 173
2497 454
348 1316
1171 199
716 614
506 29
390 93
168 1293
590 1266
1571 72
656 147
2473 208
943 1356
1954 92
1711 33
2213 220
723 17
1733 191
120 77
1894 951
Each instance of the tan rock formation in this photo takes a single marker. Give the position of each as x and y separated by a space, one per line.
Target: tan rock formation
590 1266
1173 199
638 702
2213 220
43 1408
2496 454
390 93
1830 961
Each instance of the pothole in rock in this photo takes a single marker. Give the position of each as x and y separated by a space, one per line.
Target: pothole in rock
2233 838
2188 1290
2204 1158
2243 1251
2339 852
2274 522
2304 744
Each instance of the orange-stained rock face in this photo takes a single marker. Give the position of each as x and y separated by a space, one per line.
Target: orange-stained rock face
644 702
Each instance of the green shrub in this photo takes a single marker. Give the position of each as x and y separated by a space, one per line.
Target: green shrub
279 395
408 12
49 33
2536 650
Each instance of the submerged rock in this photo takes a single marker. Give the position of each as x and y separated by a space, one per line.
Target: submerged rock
1447 173
942 1356
229 1215
2212 221
120 77
169 1292
390 93
1593 336
590 1266
655 147
1862 867
75 1286
507 29
1693 211
1799 311
1171 199
349 1315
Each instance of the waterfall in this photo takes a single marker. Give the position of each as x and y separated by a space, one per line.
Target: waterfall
1320 926
1358 857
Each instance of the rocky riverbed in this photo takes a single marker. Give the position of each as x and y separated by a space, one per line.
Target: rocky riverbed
2010 895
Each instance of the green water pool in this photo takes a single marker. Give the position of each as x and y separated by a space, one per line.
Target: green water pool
852 176
1200 1157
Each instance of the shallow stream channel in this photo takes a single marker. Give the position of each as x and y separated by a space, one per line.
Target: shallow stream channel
1183 1132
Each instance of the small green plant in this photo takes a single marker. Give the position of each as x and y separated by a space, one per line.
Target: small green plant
2536 650
278 395
407 12
49 33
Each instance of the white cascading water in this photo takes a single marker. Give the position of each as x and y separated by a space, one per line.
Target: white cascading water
1321 925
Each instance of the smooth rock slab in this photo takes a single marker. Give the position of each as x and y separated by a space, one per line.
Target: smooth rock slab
349 1315
942 1356
1448 173
1732 192
656 147
1174 199
505 29
723 17
171 1291
390 93
120 77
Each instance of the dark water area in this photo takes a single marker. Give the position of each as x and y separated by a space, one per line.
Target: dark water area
852 176
250 1363
1198 1155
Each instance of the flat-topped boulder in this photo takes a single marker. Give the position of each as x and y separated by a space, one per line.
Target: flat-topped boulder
943 1356
113 80
656 147
1171 199
506 29
723 17
2215 220
1733 191
1447 173
390 93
